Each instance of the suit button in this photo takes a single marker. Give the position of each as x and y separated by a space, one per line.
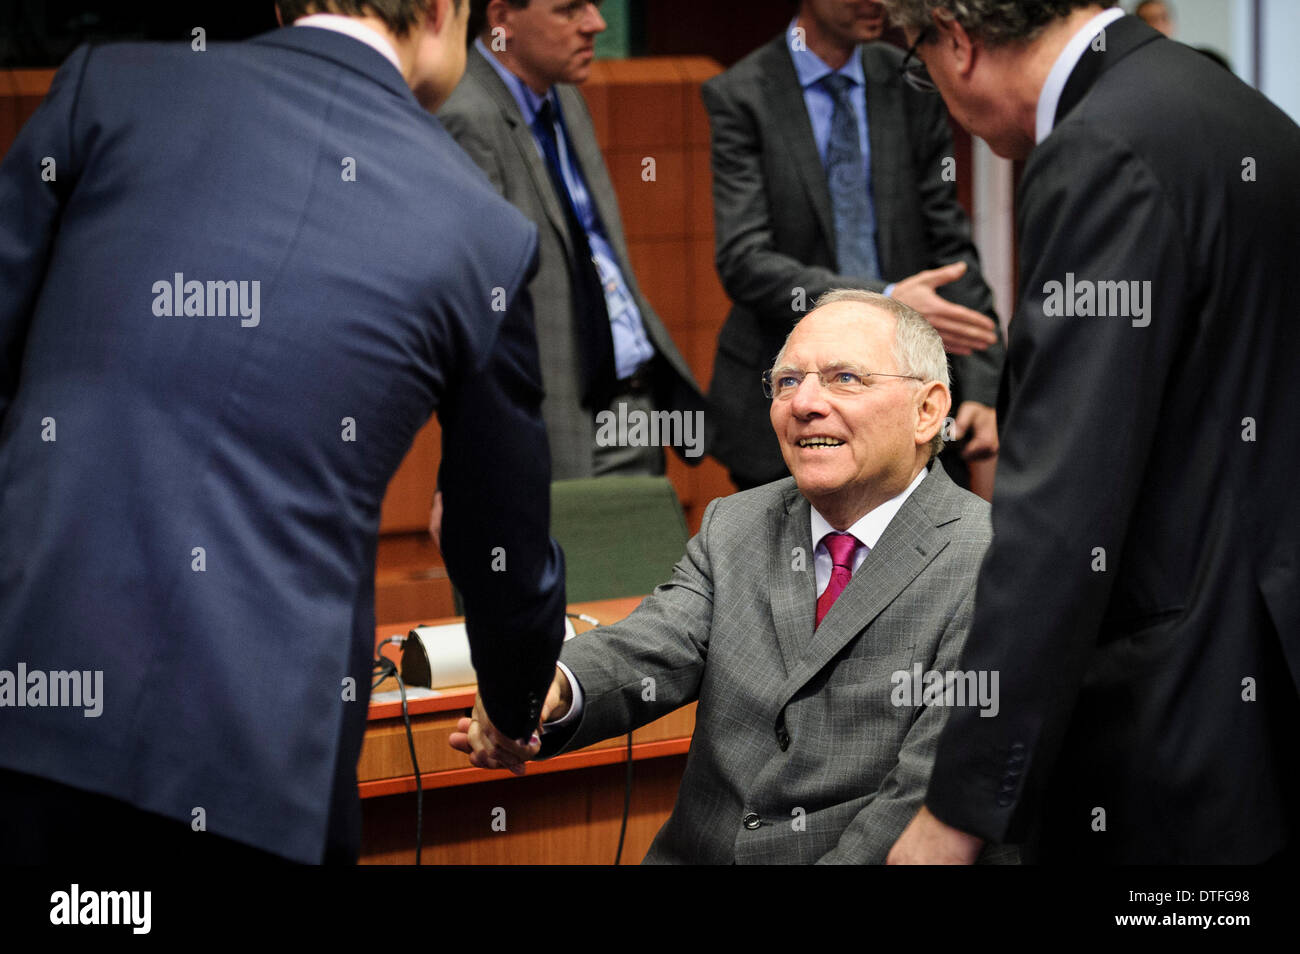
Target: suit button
783 738
752 821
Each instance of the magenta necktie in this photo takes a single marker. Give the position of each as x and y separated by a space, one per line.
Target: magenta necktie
841 547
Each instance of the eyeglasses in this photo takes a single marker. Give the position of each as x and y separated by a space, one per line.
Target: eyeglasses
782 383
574 10
913 71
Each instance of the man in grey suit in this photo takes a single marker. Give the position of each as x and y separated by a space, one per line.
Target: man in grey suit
520 118
804 616
809 196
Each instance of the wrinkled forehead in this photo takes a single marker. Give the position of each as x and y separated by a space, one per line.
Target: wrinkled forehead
851 333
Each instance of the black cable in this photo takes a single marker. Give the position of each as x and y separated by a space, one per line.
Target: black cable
627 800
627 783
389 668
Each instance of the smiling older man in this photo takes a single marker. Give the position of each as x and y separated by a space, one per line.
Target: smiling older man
801 614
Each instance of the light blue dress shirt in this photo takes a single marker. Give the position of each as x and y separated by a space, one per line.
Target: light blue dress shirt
811 69
631 346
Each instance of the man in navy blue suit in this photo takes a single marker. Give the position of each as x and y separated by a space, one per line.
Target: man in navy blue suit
234 283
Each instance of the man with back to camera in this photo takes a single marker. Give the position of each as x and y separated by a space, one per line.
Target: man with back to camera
254 274
828 170
1140 597
802 615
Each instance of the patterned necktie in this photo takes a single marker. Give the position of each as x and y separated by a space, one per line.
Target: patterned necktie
591 317
842 547
846 174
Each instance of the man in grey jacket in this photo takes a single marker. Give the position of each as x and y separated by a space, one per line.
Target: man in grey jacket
520 116
817 620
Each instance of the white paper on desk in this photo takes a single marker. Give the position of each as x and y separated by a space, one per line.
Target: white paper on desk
447 649
395 695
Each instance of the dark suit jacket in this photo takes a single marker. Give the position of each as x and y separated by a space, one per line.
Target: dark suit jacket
800 753
776 231
484 117
1152 687
202 528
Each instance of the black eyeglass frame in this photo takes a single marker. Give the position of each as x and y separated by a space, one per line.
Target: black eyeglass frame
912 70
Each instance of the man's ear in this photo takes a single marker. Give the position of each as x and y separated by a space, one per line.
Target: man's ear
497 15
438 14
955 43
933 404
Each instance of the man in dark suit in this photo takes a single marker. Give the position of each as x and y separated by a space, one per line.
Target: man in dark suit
521 118
801 615
1141 597
816 187
246 278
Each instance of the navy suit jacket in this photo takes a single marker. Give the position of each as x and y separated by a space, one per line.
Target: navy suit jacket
190 503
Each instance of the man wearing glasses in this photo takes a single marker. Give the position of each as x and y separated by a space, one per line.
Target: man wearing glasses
1141 592
520 116
829 171
804 616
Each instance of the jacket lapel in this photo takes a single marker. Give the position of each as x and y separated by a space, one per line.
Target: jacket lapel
525 145
794 129
1123 36
911 541
885 139
793 579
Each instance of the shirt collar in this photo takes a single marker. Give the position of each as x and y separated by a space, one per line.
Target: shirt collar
529 102
355 29
870 527
811 68
1050 96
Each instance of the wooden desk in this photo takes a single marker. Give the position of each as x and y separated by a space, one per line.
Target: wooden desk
565 810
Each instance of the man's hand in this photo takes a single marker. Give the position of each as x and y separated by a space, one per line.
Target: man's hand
982 422
435 520
962 329
928 841
488 748
559 698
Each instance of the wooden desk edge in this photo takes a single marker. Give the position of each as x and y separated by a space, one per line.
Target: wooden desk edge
568 762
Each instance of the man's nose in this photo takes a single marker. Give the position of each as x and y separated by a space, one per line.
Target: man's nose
592 21
809 397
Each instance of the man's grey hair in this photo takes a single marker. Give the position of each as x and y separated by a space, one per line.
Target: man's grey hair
918 349
996 22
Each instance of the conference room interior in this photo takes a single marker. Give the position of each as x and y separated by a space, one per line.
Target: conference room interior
621 535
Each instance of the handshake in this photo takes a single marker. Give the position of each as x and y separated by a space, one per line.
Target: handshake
487 748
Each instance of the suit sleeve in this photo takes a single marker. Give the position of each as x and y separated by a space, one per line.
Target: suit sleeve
753 272
30 206
650 663
1084 403
949 236
495 479
484 156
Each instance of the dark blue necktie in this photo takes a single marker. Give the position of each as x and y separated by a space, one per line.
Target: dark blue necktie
590 314
846 174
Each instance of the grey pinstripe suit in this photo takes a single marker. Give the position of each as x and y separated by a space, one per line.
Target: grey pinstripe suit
790 718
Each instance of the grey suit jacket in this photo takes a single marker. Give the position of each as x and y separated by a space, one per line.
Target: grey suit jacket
776 231
799 754
484 118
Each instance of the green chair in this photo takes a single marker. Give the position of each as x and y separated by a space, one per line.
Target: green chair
621 535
